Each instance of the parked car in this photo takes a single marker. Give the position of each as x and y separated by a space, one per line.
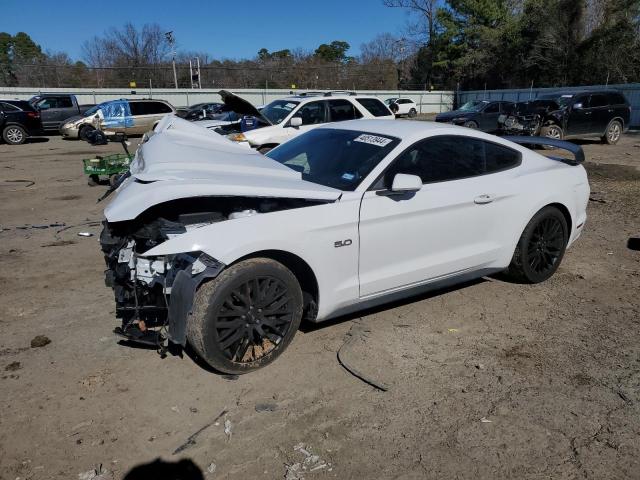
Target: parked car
18 121
282 120
478 114
598 113
403 106
233 249
133 117
56 108
200 111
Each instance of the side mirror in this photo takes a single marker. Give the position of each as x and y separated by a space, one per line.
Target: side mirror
295 122
404 183
577 106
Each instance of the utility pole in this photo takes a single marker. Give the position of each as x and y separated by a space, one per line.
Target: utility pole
172 43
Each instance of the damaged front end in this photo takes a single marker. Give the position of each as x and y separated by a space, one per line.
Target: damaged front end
154 294
528 118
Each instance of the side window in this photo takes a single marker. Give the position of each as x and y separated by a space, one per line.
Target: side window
498 157
137 108
50 102
616 99
341 110
312 113
158 107
598 100
7 107
64 102
374 106
492 108
506 107
445 158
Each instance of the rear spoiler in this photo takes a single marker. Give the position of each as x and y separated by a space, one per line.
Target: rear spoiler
576 150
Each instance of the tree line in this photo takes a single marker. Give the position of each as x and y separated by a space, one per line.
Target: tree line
466 44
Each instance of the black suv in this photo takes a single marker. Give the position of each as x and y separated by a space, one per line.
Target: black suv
598 113
18 120
480 114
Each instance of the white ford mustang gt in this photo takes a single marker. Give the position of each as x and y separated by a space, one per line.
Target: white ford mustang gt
213 244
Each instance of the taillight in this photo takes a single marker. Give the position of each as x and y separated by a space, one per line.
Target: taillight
33 114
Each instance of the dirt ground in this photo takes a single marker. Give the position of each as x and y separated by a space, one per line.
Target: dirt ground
487 380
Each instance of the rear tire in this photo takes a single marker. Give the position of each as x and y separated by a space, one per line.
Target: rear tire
613 133
541 247
246 317
412 113
93 180
14 135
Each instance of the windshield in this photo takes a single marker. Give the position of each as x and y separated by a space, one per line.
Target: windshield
278 110
334 158
92 110
561 100
474 106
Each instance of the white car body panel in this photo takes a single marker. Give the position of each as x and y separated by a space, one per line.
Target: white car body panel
405 108
444 230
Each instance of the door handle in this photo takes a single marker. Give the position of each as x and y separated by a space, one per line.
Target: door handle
483 199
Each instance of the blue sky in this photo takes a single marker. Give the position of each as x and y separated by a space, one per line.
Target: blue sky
222 28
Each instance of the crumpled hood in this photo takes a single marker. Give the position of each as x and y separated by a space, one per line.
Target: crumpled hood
177 164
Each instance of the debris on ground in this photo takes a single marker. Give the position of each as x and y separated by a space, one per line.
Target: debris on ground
485 420
13 366
95 474
266 407
356 333
85 234
310 464
192 438
40 341
227 428
211 468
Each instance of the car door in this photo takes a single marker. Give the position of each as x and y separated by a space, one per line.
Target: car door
312 115
579 117
488 119
140 118
600 116
48 112
458 222
341 110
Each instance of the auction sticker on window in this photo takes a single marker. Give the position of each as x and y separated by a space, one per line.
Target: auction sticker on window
372 140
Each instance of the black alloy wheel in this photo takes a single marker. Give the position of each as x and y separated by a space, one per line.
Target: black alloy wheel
545 245
245 318
541 247
253 319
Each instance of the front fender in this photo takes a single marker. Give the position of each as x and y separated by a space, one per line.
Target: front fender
317 234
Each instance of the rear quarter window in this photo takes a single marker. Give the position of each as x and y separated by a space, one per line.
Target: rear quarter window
374 106
617 99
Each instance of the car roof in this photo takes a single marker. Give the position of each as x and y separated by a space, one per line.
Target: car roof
308 98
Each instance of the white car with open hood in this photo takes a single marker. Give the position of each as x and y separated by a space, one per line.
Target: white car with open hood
229 250
282 120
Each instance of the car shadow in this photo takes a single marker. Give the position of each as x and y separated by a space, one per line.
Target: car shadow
184 469
37 140
308 326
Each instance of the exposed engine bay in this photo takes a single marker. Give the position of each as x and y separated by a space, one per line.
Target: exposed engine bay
528 118
143 285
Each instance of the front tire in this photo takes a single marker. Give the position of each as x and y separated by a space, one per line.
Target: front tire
14 135
471 124
246 317
541 247
85 130
613 133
